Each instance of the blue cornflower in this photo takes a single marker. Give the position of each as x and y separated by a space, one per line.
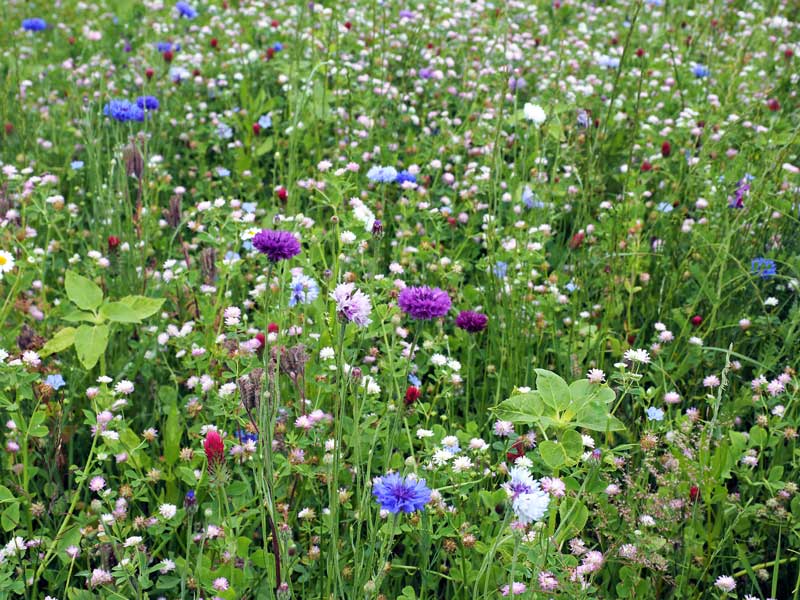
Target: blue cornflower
530 199
265 122
224 131
304 290
249 207
277 47
571 286
123 111
664 207
55 381
167 47
147 102
35 24
763 267
245 436
404 176
76 165
655 414
401 494
584 120
382 174
700 71
223 172
609 62
414 380
231 257
185 10
500 269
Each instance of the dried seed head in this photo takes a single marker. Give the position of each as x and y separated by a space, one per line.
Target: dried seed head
134 163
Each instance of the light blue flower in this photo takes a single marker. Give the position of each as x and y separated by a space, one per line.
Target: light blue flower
664 207
304 290
655 414
265 122
76 165
55 381
224 131
249 207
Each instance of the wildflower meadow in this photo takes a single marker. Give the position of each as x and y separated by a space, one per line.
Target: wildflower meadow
460 299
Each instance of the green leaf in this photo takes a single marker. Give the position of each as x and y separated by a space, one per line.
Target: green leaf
9 519
90 344
6 495
142 305
85 293
552 453
573 443
553 390
595 416
172 436
574 516
60 341
76 316
524 408
119 312
265 146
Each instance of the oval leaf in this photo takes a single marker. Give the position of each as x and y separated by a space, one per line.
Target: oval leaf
90 344
85 293
119 312
60 341
552 453
142 306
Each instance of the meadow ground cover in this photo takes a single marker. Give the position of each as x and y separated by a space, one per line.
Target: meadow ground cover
393 301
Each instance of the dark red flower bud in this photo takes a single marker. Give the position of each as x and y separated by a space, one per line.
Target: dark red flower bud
452 222
696 320
275 23
214 42
694 493
631 339
646 166
282 194
272 328
412 395
516 451
788 53
577 240
215 449
9 128
71 40
149 73
666 149
263 340
270 53
168 55
113 242
348 25
773 105
640 52
256 128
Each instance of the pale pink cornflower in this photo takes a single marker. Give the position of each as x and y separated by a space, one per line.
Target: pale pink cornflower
547 581
503 428
304 422
711 381
124 387
220 584
553 486
672 398
517 588
97 483
775 387
726 583
596 376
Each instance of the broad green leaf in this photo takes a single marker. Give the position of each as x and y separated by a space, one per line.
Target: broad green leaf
9 519
583 391
552 453
90 344
76 316
553 390
85 293
6 495
758 436
119 312
142 305
60 341
524 408
574 516
265 146
572 442
595 416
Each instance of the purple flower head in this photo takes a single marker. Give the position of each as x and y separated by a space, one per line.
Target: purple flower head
352 304
424 303
277 245
471 321
401 494
35 24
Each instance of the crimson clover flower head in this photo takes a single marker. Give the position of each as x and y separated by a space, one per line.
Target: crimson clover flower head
471 322
277 245
401 494
424 303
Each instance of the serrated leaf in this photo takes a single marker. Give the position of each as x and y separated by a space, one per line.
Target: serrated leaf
83 292
142 305
119 312
90 344
60 341
524 408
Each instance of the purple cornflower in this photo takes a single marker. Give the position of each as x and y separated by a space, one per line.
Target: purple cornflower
401 494
471 321
424 303
277 245
742 189
352 304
